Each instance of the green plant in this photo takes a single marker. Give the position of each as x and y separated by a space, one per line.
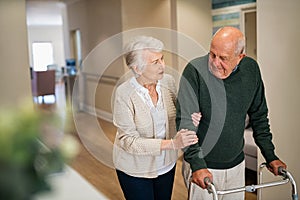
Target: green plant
26 157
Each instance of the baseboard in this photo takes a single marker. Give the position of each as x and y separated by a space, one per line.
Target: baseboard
107 116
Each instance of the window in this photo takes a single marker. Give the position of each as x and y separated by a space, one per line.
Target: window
42 55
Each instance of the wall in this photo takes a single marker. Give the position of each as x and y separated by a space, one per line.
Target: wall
53 34
195 21
231 15
97 21
136 14
77 19
278 31
100 20
15 74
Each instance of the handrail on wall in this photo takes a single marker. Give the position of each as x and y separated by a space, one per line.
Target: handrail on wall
112 80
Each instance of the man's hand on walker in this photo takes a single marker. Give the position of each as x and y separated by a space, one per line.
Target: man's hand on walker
199 176
274 165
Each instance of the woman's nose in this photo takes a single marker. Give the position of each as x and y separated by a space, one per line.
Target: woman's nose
162 63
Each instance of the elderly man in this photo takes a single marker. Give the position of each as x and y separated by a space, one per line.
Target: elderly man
224 86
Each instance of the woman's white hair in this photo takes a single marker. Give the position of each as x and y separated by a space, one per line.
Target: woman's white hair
135 49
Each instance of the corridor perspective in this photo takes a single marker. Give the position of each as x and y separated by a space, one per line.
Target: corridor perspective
85 39
98 174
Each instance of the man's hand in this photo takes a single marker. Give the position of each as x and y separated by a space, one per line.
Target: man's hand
274 165
199 176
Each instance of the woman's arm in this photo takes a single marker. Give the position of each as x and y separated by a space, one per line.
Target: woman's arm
182 139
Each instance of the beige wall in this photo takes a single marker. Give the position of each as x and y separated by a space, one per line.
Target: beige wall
53 34
278 31
15 74
99 20
96 20
141 14
195 20
154 13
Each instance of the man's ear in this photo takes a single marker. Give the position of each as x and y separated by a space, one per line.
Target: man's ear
241 56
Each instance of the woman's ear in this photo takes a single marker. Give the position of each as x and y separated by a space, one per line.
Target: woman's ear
136 70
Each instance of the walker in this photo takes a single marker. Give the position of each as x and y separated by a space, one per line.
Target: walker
287 177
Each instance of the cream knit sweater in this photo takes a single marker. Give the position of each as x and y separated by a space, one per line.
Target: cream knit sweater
136 146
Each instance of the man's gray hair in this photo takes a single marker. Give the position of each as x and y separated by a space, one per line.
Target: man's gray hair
135 49
240 47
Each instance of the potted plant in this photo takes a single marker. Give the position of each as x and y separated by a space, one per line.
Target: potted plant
33 145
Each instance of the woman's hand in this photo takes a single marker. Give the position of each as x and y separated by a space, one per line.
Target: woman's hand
196 117
184 138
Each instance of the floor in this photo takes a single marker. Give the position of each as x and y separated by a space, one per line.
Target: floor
92 161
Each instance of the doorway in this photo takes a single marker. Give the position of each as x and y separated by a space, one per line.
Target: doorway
248 26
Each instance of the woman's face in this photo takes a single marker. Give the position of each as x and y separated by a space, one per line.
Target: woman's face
154 68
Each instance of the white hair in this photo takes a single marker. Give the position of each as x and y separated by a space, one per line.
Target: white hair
240 46
135 49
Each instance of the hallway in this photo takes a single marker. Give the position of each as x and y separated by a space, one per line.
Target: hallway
87 163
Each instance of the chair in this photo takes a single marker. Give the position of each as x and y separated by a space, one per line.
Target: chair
43 83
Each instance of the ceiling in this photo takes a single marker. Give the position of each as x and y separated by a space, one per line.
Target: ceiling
49 12
44 13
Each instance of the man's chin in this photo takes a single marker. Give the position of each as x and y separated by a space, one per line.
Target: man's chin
220 75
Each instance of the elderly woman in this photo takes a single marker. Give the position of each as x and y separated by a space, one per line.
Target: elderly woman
146 143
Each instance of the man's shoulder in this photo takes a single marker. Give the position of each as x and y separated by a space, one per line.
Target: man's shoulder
199 61
248 61
250 70
196 67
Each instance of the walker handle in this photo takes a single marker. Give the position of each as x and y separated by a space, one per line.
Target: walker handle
208 183
282 172
211 188
286 175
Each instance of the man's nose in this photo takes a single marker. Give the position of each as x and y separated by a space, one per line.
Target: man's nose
216 61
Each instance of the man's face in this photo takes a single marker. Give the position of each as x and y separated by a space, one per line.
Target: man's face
222 58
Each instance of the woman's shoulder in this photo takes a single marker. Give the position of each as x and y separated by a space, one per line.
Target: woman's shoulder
124 88
168 80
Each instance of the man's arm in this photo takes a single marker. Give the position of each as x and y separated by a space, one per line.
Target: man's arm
188 103
258 113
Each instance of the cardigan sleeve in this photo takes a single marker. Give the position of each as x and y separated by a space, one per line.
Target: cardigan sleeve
125 118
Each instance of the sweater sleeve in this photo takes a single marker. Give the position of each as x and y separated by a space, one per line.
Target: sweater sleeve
258 114
188 103
187 99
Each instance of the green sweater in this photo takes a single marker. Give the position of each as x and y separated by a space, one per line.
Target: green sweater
224 105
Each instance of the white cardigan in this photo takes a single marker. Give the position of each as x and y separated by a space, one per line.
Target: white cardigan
136 146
